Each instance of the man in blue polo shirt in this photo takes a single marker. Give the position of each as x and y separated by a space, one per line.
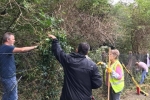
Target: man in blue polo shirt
8 67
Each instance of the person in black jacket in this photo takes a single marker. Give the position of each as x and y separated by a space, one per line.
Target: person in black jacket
81 74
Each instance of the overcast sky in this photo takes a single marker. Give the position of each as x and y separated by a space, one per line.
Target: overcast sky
116 1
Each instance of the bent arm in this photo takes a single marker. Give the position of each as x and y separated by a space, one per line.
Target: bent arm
118 73
96 79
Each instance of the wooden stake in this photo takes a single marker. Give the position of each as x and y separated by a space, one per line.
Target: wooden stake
109 73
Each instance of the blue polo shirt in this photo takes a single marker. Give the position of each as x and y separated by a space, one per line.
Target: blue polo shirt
7 62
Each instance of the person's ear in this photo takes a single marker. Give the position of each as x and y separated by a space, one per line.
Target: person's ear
76 50
8 39
87 53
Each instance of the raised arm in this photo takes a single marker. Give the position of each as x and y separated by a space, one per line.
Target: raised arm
60 55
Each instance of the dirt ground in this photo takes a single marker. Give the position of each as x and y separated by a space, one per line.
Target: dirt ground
132 94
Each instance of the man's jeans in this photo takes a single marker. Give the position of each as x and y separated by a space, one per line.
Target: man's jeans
143 76
9 89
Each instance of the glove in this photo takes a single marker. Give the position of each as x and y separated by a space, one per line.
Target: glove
100 63
109 70
103 65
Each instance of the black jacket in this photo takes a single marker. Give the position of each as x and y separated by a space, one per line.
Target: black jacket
81 74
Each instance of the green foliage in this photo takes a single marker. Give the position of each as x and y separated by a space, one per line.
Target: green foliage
31 20
132 25
123 28
51 73
96 55
141 11
84 5
94 7
100 7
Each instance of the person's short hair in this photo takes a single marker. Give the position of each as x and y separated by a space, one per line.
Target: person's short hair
130 52
136 63
83 48
115 52
6 36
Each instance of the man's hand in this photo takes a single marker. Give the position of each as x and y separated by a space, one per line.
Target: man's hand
109 70
51 36
35 47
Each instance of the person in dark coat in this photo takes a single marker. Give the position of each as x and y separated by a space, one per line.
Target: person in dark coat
81 74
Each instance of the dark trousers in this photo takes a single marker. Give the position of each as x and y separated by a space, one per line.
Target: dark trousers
113 95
